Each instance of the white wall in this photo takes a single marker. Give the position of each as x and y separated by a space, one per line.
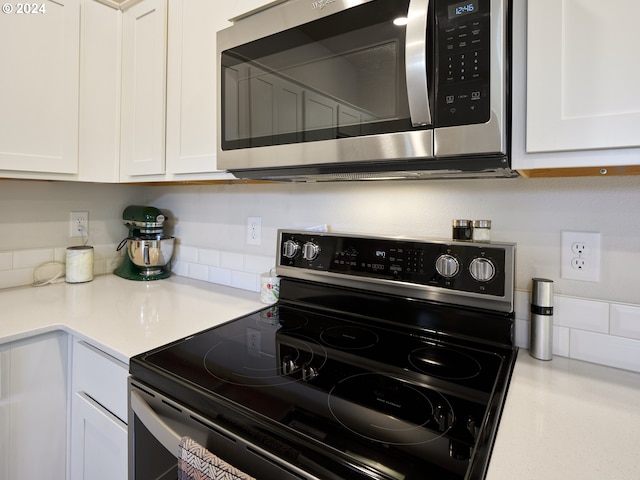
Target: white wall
36 214
34 225
531 213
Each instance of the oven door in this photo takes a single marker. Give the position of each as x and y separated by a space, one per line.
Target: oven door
157 425
346 79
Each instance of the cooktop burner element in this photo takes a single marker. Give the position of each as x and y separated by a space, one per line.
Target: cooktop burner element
349 337
388 410
367 367
251 369
444 362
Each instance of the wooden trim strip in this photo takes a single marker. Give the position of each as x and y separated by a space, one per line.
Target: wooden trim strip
582 171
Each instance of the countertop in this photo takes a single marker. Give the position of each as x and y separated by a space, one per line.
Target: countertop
566 419
563 419
122 317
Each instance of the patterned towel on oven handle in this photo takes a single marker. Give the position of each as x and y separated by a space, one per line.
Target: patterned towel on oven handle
195 462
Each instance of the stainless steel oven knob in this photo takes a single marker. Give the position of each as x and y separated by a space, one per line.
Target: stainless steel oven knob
310 251
447 266
482 269
290 248
288 365
309 373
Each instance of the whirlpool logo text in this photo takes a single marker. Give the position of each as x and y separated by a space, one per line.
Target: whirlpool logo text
320 4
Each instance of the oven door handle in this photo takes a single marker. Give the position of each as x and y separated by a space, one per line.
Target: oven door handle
416 63
156 426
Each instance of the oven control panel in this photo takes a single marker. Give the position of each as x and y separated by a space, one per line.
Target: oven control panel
455 267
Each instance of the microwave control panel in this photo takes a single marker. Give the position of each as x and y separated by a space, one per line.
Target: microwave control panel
463 36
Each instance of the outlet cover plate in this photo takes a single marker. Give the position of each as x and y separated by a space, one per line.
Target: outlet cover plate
78 224
254 230
580 256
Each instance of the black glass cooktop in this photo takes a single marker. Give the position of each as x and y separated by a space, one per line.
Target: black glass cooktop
396 402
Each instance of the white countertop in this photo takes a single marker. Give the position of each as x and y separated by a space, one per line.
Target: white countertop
563 419
122 317
566 419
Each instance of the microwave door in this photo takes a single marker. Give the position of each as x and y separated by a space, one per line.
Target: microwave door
328 90
416 63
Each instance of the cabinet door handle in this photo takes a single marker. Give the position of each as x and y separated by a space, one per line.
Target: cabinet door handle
156 426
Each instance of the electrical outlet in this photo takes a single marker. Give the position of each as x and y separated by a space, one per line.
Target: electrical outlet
580 256
254 230
79 224
578 263
579 248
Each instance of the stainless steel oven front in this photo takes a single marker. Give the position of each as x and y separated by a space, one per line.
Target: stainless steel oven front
342 86
157 423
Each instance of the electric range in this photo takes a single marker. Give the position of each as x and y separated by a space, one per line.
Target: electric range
384 358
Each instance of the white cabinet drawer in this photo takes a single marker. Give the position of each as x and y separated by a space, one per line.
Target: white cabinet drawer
101 377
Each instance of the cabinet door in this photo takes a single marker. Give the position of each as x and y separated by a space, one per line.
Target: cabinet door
99 442
144 41
100 84
191 84
582 75
5 414
37 402
40 58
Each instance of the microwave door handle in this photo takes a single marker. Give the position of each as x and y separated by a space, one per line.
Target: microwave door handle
416 64
162 432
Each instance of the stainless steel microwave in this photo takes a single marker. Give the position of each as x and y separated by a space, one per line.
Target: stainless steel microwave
313 90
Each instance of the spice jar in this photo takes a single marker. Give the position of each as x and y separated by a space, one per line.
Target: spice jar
462 230
482 230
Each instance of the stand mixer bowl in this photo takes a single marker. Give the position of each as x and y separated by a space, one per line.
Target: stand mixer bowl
150 253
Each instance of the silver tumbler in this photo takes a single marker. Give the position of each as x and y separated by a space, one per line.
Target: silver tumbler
541 334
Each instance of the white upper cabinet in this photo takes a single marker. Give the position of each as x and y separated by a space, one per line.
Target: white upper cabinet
39 59
191 85
169 90
144 54
100 85
583 75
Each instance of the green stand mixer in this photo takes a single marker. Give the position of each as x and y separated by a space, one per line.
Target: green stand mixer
148 250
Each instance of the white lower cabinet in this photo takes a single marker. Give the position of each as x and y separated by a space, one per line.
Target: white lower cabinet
42 413
98 415
33 407
98 441
5 441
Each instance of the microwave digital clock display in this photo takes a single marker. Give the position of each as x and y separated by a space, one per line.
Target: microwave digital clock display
464 8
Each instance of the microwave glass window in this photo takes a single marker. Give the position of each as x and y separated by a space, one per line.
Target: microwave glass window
339 76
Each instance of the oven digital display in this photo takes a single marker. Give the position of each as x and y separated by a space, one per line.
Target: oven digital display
463 8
